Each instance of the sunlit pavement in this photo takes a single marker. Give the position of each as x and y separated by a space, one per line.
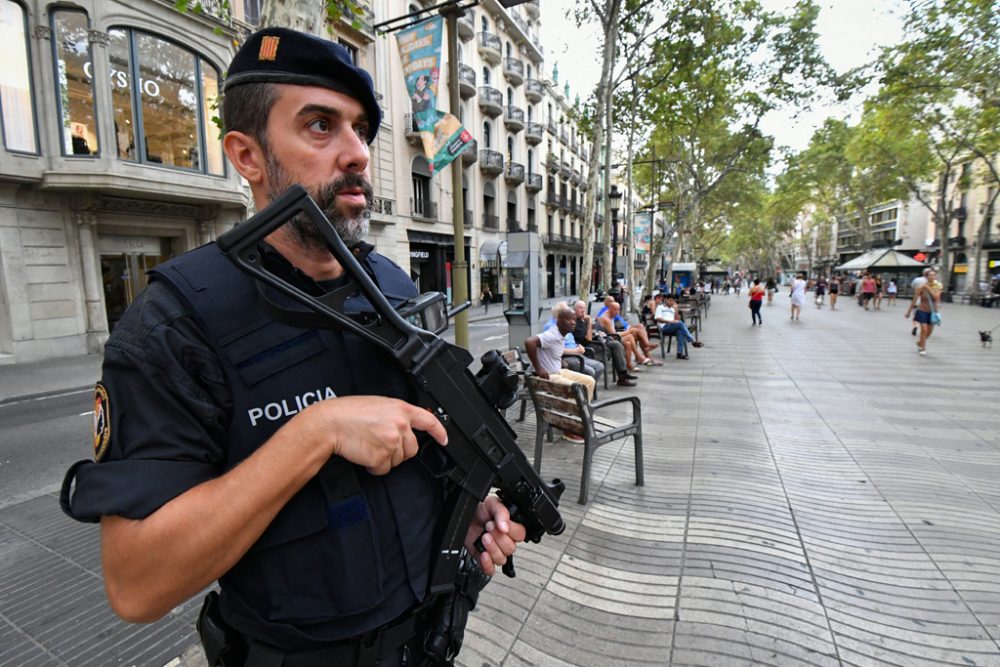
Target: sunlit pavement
816 494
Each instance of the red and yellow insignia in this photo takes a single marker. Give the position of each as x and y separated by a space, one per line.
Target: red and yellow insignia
268 48
102 422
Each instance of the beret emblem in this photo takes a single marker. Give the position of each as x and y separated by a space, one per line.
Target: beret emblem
268 48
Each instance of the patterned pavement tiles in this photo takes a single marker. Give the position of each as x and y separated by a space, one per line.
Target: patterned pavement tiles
816 494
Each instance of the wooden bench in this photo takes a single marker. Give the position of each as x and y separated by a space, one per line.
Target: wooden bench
566 407
515 359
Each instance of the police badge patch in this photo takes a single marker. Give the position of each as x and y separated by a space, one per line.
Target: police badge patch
102 422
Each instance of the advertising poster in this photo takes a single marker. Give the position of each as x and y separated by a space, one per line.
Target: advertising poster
643 220
442 134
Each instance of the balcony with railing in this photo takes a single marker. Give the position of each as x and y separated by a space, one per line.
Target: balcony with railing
513 70
533 134
513 118
410 129
490 48
357 15
466 29
577 178
514 173
467 218
490 162
563 135
565 170
466 81
551 127
422 208
533 183
562 241
534 90
513 225
491 221
551 200
563 202
470 153
490 101
552 163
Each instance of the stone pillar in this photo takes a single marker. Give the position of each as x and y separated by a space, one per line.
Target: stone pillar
106 135
85 215
207 215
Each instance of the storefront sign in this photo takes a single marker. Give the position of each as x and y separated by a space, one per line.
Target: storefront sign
129 245
961 268
419 254
119 78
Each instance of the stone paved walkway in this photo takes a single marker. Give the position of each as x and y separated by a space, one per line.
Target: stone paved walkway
816 494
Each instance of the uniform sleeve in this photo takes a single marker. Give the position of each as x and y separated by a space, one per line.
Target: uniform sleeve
164 419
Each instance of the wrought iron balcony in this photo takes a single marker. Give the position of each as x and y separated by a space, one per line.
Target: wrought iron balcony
551 200
421 208
491 221
534 90
563 135
552 163
534 132
564 202
565 170
551 127
513 70
514 173
467 217
471 152
513 225
584 153
490 162
466 28
533 183
490 101
513 118
410 129
489 48
562 241
466 81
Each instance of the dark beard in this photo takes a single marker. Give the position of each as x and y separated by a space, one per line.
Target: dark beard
351 228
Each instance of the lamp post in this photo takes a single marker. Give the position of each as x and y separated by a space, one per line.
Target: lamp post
615 198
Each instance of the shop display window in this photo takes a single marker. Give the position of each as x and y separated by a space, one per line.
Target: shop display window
165 94
75 82
16 101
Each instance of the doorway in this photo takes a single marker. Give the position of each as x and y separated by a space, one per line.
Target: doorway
124 276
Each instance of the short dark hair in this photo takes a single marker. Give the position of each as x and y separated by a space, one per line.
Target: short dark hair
246 109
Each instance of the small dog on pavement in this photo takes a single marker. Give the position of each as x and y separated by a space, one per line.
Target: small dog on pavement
986 338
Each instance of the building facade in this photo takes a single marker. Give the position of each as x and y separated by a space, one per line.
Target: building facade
112 162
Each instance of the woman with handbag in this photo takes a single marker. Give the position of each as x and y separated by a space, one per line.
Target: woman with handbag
925 308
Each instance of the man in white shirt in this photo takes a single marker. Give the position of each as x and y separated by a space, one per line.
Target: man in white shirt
546 349
668 316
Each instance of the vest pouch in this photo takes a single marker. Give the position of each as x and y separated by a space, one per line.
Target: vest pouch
321 560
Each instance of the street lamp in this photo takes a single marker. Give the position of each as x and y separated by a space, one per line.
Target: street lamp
615 197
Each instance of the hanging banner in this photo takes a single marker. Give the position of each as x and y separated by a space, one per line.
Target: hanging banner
442 134
641 231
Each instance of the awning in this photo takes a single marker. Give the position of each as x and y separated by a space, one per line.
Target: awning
488 253
881 258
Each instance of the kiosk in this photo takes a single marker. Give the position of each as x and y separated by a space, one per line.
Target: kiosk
523 268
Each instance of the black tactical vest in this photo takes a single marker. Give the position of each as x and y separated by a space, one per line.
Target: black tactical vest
350 551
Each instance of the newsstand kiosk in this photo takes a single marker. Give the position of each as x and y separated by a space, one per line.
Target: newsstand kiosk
523 268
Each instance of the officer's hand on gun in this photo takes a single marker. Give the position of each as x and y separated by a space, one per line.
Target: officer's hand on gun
372 431
498 535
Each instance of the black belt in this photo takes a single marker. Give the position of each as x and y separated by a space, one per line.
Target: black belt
387 646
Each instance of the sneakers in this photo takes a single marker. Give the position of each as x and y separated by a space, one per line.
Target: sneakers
626 382
682 356
922 352
573 438
650 361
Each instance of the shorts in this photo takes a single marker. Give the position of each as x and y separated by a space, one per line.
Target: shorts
922 317
833 290
867 296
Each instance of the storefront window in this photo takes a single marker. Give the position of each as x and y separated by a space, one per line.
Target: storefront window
18 114
170 103
76 85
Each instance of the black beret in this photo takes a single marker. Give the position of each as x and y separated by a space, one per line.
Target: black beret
280 55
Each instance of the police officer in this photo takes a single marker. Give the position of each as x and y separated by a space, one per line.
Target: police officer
279 461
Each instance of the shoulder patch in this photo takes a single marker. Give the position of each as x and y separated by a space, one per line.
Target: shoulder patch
102 422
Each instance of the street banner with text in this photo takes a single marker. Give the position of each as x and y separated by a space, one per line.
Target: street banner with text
442 134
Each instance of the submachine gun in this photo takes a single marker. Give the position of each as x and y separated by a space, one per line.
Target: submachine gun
482 447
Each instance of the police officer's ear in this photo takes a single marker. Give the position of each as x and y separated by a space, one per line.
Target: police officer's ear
246 155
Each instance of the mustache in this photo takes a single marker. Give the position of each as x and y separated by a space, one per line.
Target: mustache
326 195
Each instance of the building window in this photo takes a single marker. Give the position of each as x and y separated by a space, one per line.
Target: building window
164 94
251 11
18 117
74 77
421 179
510 96
510 149
486 76
486 24
352 50
487 135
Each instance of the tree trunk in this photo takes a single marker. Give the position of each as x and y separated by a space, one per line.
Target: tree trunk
943 221
302 15
608 280
603 92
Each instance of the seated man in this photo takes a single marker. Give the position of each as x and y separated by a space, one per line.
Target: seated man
591 367
584 333
545 352
613 322
668 316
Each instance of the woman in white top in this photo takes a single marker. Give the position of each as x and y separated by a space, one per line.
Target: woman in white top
890 292
798 295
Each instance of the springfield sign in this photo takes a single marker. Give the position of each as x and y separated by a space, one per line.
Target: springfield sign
442 134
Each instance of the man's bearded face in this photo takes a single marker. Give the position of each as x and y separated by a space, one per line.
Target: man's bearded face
351 225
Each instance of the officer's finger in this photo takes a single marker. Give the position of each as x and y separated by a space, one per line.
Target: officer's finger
505 544
486 564
424 420
493 549
410 445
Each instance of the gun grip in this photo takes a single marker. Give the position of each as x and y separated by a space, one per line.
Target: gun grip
508 567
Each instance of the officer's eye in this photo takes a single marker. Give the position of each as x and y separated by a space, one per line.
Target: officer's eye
319 125
362 132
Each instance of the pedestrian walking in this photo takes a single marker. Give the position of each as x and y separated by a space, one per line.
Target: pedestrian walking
868 287
772 287
798 294
756 299
820 291
890 292
879 288
925 305
487 298
834 291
